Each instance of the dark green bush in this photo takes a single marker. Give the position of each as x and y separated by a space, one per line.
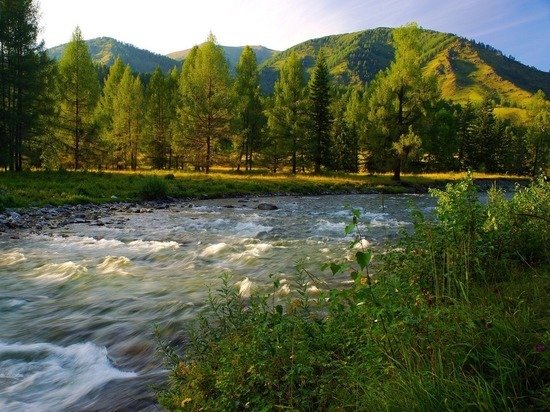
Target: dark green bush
153 188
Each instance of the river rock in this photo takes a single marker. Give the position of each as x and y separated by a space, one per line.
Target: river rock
267 206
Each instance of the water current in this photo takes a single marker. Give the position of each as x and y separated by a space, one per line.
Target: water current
78 304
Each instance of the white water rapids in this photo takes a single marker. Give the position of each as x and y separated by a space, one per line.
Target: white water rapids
78 304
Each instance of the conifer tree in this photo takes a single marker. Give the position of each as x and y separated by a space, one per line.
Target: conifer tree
286 118
539 133
79 93
344 145
24 70
399 98
206 102
250 118
127 120
319 112
173 104
105 111
157 119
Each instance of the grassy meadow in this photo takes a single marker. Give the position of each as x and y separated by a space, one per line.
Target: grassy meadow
39 188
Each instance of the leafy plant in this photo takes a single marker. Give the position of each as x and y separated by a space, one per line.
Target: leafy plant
153 188
391 341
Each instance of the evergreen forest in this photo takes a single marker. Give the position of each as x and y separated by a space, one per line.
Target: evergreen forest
76 113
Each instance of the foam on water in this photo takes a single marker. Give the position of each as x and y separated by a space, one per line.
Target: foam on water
250 229
59 271
11 258
327 227
87 242
152 245
43 376
213 250
114 264
252 251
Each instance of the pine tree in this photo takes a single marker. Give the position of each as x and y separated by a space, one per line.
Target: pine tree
104 113
250 118
399 98
157 119
24 68
173 104
321 117
79 94
466 116
539 134
286 118
206 102
344 145
127 120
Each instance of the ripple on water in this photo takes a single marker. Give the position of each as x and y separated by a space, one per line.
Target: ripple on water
214 249
43 376
11 258
59 271
86 242
114 264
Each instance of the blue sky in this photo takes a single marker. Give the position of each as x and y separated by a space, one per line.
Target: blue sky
520 28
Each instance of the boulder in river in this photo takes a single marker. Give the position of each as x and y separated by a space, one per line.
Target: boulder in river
267 206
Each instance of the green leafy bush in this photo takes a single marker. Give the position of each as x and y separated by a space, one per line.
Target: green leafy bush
153 188
392 340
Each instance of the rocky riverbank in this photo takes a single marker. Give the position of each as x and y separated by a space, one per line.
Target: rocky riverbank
38 219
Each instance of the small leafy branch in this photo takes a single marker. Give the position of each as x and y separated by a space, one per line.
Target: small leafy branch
363 256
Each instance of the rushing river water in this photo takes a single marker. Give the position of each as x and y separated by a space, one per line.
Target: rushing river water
78 304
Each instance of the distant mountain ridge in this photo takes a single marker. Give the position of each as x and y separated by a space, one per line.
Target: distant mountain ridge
232 53
104 50
466 70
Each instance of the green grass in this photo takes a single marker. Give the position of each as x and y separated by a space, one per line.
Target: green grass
40 188
440 327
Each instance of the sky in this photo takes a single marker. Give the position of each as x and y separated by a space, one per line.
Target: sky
520 28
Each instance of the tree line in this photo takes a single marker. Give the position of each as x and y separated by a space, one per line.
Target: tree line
74 114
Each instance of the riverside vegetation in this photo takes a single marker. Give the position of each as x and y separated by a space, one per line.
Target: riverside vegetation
453 317
40 188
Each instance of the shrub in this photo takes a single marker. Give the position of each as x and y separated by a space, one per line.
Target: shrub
153 188
395 341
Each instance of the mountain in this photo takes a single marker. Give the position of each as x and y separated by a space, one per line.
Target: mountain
232 54
466 70
104 50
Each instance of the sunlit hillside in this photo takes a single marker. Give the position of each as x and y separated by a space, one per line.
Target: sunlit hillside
466 70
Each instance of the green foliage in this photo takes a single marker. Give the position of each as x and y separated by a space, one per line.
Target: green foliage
466 71
79 93
286 117
320 114
381 344
474 243
207 99
25 88
153 188
399 99
127 120
250 116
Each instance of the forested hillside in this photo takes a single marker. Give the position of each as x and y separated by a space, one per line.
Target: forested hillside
105 50
465 70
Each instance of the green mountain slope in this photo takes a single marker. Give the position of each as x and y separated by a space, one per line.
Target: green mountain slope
465 70
232 54
104 50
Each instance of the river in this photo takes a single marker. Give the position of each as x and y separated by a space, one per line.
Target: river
78 303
